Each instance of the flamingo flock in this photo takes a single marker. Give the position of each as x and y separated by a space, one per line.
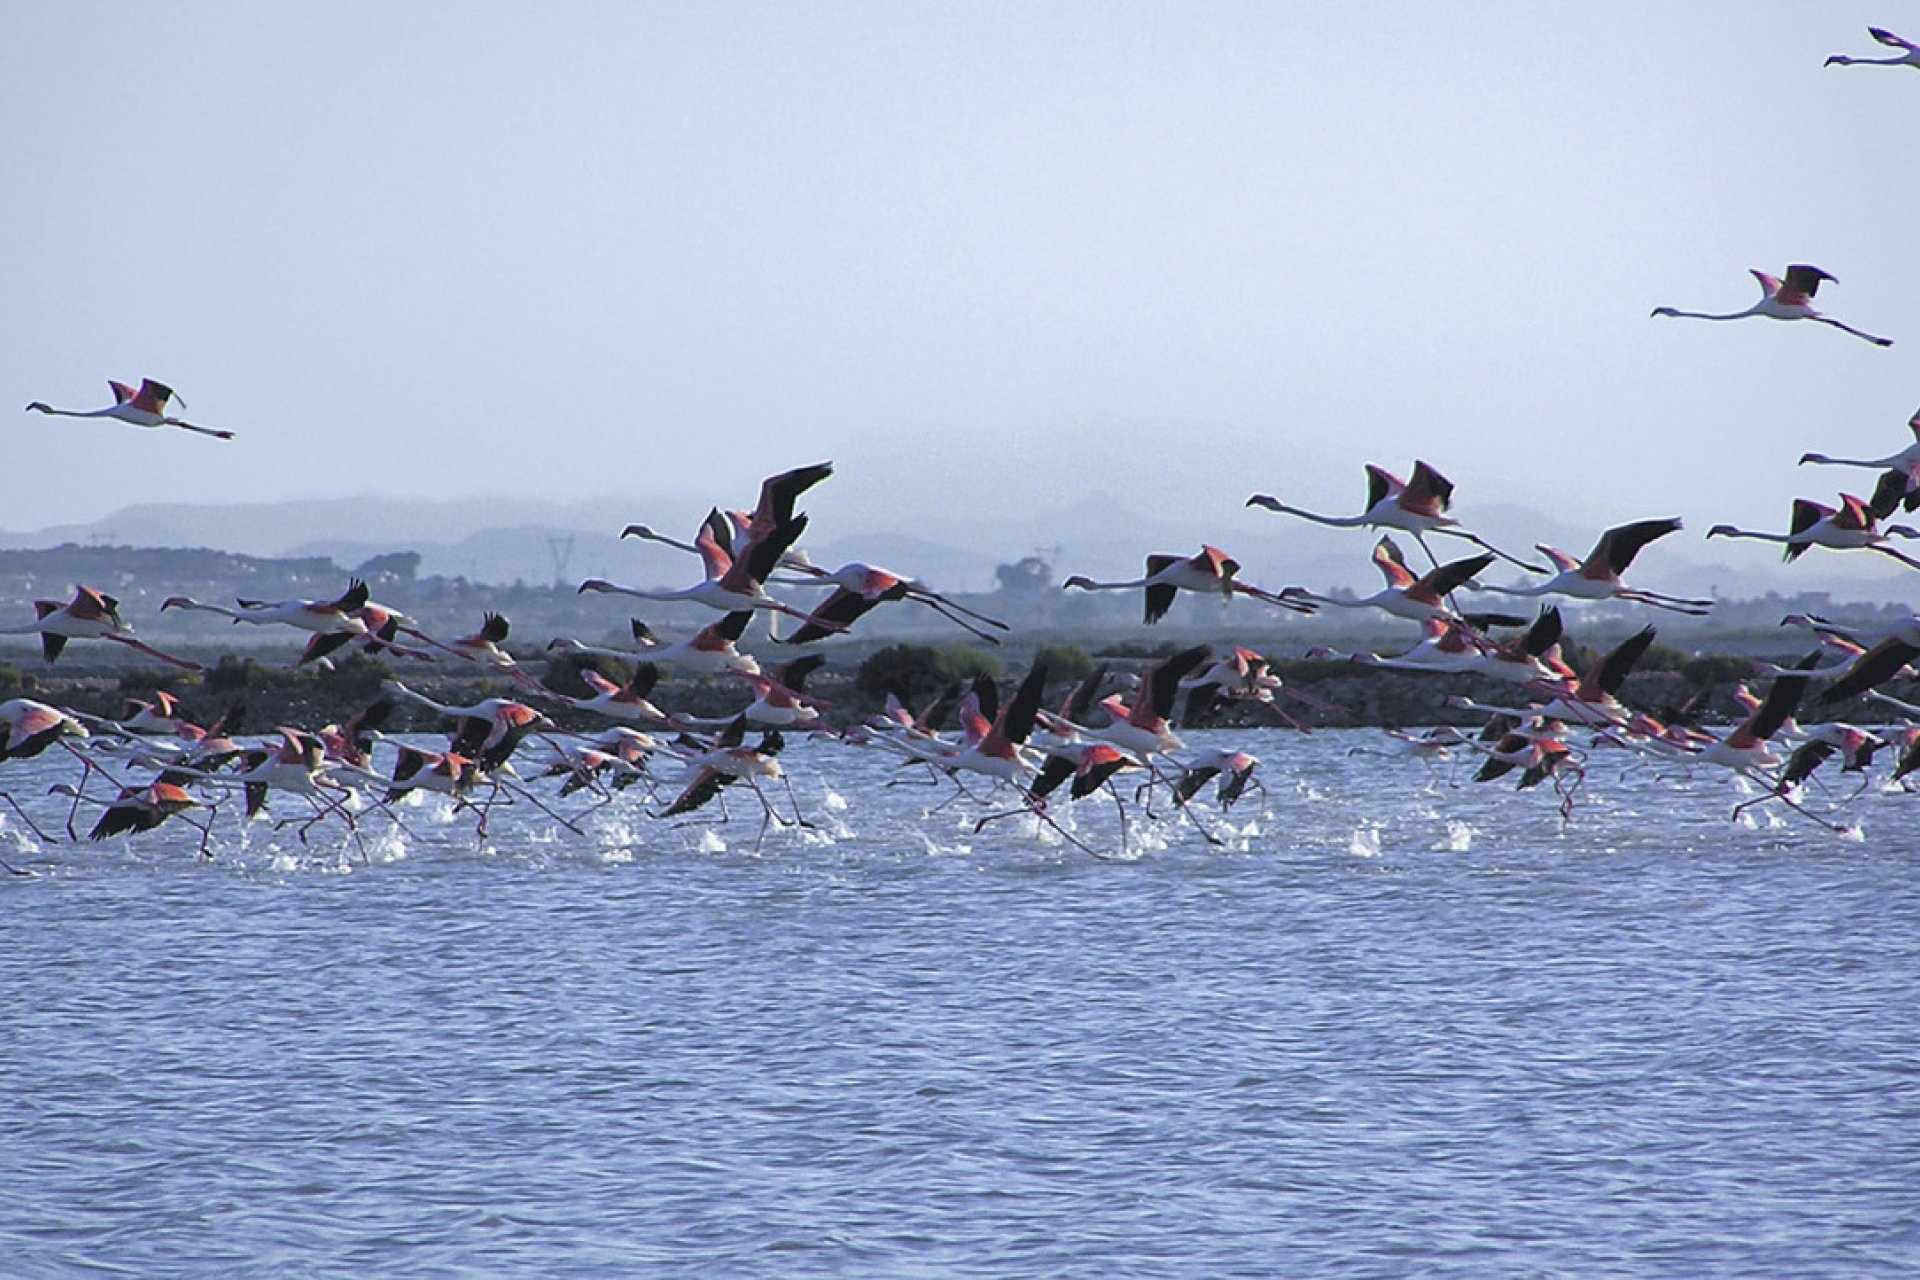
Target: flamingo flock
1109 738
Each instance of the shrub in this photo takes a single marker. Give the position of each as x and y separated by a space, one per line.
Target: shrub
1710 669
913 671
233 672
1065 662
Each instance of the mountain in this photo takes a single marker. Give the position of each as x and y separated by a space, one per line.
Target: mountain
502 541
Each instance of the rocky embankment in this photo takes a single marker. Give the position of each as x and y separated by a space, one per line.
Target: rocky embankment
1342 695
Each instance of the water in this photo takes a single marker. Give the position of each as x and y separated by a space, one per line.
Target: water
1393 1027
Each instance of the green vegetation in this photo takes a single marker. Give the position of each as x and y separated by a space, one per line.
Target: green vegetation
914 671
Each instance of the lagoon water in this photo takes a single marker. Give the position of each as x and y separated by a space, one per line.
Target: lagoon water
1394 1027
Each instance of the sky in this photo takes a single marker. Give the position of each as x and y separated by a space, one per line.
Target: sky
988 258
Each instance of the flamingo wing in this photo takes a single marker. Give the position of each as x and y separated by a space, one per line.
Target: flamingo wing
1888 38
1381 485
1430 487
1876 666
1392 564
835 615
1450 577
1619 545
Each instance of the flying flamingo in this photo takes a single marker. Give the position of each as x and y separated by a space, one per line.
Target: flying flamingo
731 584
1407 595
1598 576
628 703
1233 768
778 701
1417 506
1909 53
144 808
1906 463
1853 525
727 760
860 587
1211 571
711 651
90 615
1242 675
1878 664
1145 728
146 407
332 623
1790 299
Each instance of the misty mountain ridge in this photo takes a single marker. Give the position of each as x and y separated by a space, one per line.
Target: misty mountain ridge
505 540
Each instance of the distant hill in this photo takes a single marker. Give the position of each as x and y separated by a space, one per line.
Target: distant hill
498 540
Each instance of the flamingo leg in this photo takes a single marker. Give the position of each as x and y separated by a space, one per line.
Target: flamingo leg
152 652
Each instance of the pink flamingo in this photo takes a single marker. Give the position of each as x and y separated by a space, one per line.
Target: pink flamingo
145 407
1418 506
1598 576
1210 572
1791 299
90 615
1853 525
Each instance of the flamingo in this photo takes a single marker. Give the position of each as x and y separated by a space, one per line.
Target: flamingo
1211 571
996 746
145 407
732 584
737 568
1444 646
778 701
860 587
1746 747
1598 576
1145 728
626 703
1537 748
728 760
711 651
1242 675
1447 646
1853 525
1591 699
1417 506
332 623
489 731
1783 300
90 615
444 773
1416 597
1909 55
1233 768
144 808
1906 463
1856 747
31 727
1878 664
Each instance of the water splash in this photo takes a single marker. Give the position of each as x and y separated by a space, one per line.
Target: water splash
1365 841
1459 837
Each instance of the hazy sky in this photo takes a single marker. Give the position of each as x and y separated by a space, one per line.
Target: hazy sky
976 254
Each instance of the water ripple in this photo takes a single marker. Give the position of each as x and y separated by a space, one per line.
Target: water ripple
1429 1030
